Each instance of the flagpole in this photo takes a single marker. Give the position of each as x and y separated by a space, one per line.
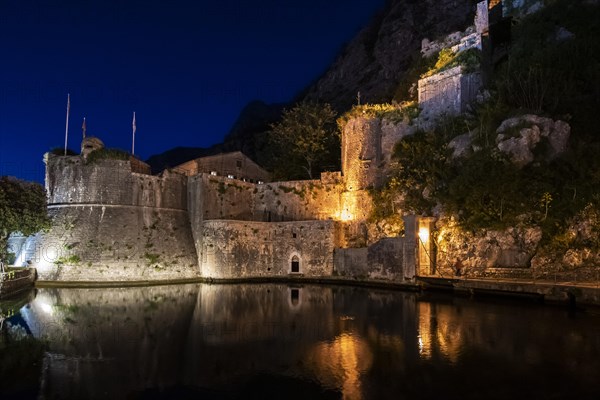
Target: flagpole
133 135
67 123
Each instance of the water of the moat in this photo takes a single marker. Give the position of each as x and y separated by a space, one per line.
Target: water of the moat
281 342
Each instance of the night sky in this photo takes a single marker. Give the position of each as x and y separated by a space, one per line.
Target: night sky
186 68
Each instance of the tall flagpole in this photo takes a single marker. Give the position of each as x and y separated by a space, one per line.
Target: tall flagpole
133 136
67 124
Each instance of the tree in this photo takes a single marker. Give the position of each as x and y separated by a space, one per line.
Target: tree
22 209
307 135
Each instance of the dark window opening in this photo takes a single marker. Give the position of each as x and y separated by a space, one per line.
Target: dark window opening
295 296
294 235
295 264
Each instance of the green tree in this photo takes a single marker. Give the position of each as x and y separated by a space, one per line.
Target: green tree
22 209
307 138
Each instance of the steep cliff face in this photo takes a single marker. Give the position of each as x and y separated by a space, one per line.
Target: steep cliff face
377 59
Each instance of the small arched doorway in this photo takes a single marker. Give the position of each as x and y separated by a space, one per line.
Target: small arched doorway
295 264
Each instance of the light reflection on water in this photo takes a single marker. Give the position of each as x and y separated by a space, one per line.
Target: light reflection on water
275 341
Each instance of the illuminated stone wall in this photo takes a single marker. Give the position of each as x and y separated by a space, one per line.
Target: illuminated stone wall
381 260
367 147
217 197
69 180
113 224
238 249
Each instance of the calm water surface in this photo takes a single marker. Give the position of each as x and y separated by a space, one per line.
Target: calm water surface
281 342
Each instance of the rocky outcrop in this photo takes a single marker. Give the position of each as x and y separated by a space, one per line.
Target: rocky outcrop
519 136
377 59
485 250
573 255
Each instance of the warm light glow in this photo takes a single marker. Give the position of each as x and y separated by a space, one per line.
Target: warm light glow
346 215
47 308
350 207
424 234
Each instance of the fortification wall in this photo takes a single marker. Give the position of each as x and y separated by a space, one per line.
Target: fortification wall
104 243
216 197
113 224
367 147
70 180
239 249
382 260
448 92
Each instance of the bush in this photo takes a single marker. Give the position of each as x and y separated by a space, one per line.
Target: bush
393 112
107 154
60 151
470 59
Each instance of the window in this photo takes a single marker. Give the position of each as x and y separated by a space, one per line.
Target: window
295 265
238 163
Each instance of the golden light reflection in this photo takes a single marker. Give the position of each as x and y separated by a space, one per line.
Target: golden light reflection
341 362
439 332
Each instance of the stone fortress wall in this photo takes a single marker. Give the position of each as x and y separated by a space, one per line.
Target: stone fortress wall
112 221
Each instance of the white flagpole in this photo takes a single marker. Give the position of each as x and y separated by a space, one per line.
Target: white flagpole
67 124
133 137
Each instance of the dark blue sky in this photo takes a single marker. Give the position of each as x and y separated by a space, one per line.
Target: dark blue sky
185 67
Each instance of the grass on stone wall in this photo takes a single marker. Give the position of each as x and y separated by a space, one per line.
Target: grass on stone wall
107 154
152 258
469 59
60 151
73 259
392 112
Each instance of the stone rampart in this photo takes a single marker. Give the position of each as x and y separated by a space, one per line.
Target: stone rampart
382 260
448 92
240 249
110 223
105 243
367 147
70 180
216 197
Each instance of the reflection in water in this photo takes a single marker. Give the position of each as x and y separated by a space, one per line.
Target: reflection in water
275 341
340 363
439 332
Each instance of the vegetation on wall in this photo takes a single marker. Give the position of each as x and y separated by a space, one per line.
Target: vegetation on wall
107 154
406 111
469 59
545 74
60 151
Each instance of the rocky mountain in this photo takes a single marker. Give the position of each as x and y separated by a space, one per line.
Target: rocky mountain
378 58
374 63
